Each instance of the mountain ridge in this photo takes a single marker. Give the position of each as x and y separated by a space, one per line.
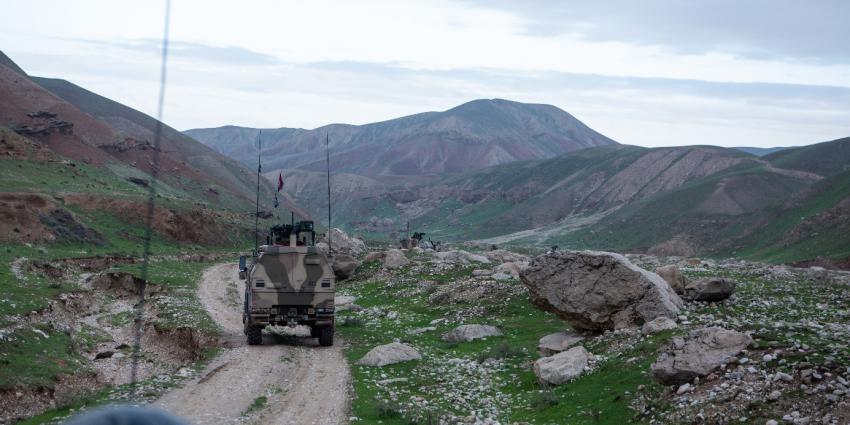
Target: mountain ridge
472 135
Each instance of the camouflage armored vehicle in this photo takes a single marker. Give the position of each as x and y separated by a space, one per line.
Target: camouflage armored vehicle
289 283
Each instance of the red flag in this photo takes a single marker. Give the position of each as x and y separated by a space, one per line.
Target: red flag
280 181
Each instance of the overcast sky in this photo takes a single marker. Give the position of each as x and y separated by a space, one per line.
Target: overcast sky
651 73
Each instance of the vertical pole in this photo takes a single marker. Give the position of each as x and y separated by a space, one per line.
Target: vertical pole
328 161
257 213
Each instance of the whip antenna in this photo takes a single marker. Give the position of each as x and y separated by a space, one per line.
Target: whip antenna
151 204
328 162
257 214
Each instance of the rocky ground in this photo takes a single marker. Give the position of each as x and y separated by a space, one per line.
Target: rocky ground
792 363
78 345
464 335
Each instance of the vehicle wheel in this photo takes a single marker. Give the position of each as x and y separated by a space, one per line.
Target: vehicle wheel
255 335
326 336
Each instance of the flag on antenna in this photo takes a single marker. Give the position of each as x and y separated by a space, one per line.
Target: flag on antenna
280 181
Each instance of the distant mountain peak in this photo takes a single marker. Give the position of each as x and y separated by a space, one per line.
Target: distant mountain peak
476 134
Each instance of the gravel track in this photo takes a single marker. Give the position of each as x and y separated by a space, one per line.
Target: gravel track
303 383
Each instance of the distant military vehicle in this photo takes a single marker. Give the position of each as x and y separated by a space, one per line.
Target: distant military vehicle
288 283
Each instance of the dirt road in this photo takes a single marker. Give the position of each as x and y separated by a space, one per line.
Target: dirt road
302 383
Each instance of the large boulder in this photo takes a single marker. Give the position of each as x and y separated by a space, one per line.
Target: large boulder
342 243
598 290
466 333
674 277
460 257
394 259
557 342
562 367
391 353
710 289
344 266
697 354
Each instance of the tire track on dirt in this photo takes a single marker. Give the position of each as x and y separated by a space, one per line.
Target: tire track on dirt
303 383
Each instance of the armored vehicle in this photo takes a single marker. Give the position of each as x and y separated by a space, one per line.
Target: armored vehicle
289 282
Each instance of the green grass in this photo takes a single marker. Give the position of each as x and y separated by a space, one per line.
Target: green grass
256 405
178 306
35 356
599 397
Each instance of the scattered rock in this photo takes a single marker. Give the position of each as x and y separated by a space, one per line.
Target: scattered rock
710 289
697 354
505 256
683 389
394 259
465 333
375 256
562 367
557 342
387 354
512 268
419 331
502 276
598 290
658 324
674 277
342 243
461 257
481 273
344 266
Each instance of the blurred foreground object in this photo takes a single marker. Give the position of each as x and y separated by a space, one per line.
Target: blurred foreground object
126 415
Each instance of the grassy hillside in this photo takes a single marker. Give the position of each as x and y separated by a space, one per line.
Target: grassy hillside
826 159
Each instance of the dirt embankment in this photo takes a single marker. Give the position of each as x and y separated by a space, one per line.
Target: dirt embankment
28 217
99 321
302 383
199 226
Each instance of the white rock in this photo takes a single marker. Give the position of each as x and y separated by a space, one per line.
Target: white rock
502 276
465 333
391 353
557 342
658 324
562 367
683 389
394 259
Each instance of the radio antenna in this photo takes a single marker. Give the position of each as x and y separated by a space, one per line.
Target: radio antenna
328 162
257 214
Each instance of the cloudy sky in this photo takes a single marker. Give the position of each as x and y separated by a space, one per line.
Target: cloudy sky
651 73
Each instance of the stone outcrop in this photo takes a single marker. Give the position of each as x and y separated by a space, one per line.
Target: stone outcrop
557 342
394 259
697 354
387 354
659 324
460 257
344 265
342 243
598 290
562 367
466 333
710 289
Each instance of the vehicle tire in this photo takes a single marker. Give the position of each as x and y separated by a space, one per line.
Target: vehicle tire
326 336
314 331
255 335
